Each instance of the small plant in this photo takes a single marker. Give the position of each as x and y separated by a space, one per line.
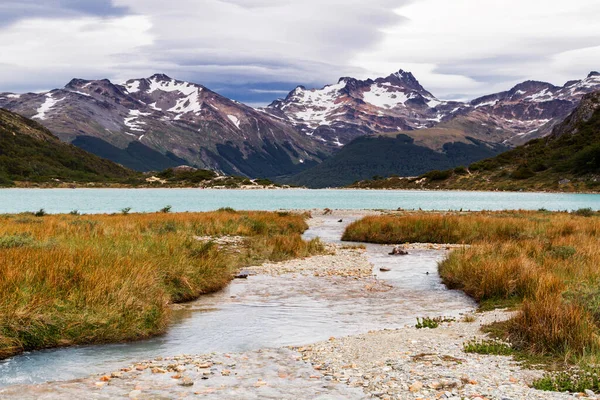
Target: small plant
166 209
490 347
75 212
125 210
427 322
18 240
584 212
563 252
40 213
468 318
574 380
226 209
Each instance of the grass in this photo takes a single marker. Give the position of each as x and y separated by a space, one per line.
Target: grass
70 279
427 322
491 347
432 323
547 265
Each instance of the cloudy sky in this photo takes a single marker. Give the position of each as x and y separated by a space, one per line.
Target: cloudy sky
257 50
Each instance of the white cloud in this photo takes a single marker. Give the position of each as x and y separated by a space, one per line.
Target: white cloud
35 50
476 47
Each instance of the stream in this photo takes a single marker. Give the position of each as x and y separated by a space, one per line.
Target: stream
268 312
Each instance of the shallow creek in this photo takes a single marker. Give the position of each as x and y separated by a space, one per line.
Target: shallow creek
268 312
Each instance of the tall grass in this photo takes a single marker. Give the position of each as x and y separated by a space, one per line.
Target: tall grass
548 263
68 279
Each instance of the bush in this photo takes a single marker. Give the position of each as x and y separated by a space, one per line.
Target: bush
436 175
40 213
522 172
461 171
125 210
584 212
166 209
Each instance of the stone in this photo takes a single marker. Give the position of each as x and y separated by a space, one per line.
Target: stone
589 393
416 386
186 381
134 394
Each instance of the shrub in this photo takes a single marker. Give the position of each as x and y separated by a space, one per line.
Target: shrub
522 172
584 212
125 210
436 175
40 213
166 209
461 171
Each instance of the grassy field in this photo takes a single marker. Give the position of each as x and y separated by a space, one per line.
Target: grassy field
546 264
71 279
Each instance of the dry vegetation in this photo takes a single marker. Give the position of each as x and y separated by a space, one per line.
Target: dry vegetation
70 279
546 263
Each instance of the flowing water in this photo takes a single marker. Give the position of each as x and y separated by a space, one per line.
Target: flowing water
266 311
147 200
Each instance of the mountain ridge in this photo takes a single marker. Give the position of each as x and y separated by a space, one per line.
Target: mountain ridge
566 160
159 122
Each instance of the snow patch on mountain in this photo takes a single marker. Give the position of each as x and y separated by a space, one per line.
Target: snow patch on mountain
132 123
381 96
132 87
171 85
235 120
46 106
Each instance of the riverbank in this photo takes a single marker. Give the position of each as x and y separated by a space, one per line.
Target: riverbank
73 279
404 363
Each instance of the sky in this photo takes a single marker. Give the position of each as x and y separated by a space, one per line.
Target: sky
256 51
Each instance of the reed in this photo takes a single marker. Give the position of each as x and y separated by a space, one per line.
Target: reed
71 279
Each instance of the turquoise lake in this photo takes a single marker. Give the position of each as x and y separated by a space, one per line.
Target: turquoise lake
147 200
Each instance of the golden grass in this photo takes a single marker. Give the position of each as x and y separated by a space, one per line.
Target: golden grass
68 279
549 263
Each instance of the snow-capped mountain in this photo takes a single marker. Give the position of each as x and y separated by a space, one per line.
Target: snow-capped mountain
158 122
179 122
339 113
530 109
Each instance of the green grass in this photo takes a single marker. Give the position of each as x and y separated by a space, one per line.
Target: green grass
490 347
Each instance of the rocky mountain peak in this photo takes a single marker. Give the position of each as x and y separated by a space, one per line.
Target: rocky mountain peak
405 80
76 83
593 73
160 77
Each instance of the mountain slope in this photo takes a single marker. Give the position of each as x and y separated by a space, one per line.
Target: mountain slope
29 152
174 122
384 155
339 113
566 160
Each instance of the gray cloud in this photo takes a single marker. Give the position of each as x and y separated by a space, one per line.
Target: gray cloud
255 50
14 10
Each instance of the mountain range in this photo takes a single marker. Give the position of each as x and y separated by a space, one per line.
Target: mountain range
159 122
568 159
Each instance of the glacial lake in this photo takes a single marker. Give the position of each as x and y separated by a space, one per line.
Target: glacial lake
149 200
